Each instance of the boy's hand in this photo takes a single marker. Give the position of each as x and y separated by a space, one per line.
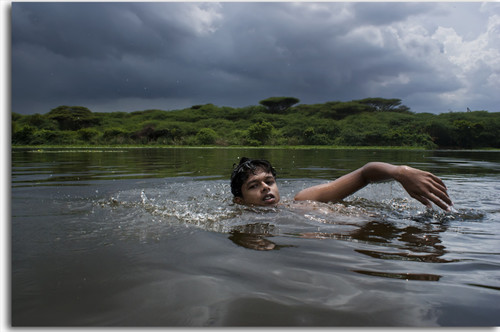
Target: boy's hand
425 187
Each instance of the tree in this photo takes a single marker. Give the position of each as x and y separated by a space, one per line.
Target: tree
385 105
342 110
40 121
279 104
87 134
260 132
23 136
467 132
73 117
115 135
311 137
206 136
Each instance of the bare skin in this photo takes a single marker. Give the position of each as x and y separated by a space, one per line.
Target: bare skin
261 190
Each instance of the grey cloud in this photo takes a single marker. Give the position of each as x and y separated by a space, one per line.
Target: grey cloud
95 30
229 53
385 13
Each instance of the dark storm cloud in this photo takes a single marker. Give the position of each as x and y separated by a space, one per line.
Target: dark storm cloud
126 56
92 49
97 30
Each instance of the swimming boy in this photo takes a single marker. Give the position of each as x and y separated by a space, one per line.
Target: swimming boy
253 182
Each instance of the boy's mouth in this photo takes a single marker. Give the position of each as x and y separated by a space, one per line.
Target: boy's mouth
269 198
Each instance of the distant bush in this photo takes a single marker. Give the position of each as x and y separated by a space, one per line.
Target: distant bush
260 132
206 136
279 104
44 136
311 137
87 134
115 136
23 136
73 117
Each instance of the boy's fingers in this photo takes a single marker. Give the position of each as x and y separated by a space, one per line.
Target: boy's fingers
438 180
426 200
422 200
442 194
444 197
440 203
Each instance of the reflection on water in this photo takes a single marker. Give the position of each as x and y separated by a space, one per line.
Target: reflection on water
150 237
404 276
415 235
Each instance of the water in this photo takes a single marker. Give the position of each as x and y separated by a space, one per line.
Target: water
150 237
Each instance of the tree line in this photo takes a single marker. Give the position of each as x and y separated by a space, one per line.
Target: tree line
276 121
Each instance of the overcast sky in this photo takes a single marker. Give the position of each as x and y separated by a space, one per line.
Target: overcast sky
435 57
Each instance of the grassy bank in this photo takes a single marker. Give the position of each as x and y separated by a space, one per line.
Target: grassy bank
41 148
340 125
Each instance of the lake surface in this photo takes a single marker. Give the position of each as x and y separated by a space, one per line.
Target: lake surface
150 237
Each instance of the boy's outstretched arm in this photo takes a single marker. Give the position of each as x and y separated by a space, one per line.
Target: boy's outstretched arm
423 186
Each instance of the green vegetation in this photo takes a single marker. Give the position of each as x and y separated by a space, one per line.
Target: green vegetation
275 122
279 104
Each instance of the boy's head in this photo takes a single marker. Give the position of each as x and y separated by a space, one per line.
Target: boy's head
253 182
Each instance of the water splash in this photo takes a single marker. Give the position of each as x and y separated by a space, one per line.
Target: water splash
208 205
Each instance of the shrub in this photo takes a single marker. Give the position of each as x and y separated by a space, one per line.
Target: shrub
237 137
115 136
87 134
23 136
260 132
206 136
54 137
73 117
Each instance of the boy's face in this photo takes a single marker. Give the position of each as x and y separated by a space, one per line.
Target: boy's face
259 189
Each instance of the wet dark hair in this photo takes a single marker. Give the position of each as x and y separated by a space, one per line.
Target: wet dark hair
241 172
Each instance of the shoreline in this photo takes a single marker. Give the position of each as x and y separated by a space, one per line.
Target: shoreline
81 148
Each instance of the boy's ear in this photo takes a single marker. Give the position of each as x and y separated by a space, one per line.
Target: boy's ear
238 200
